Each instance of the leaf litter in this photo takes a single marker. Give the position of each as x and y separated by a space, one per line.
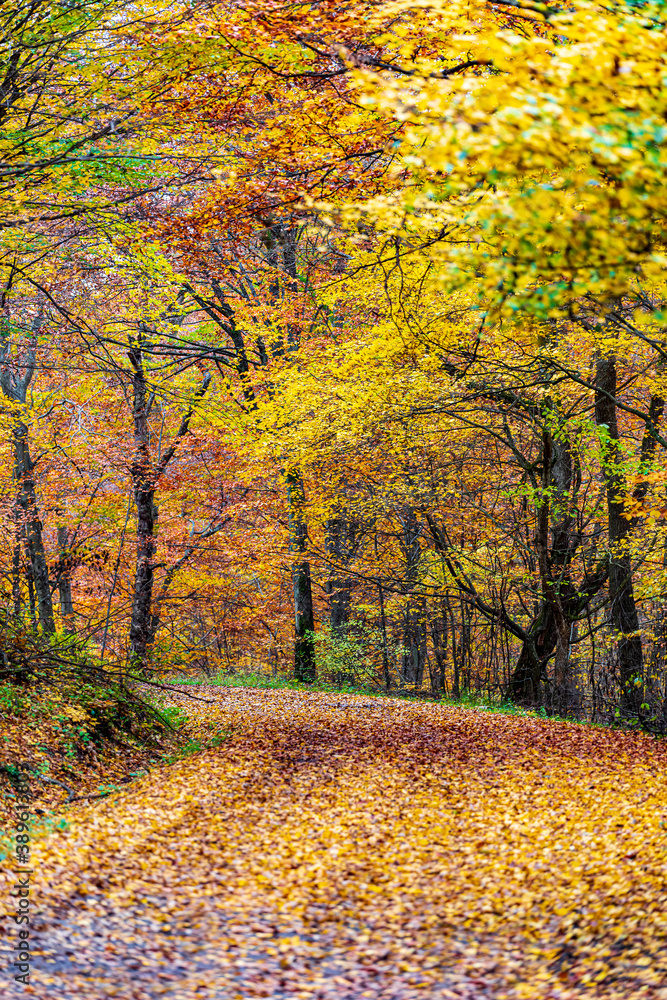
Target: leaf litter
345 848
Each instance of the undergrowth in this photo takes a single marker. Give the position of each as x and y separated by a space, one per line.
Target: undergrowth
72 727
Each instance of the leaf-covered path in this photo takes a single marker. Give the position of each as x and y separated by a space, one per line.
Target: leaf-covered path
344 847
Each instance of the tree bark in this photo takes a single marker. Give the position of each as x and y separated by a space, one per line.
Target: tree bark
556 543
31 592
342 541
143 482
621 589
15 388
65 580
146 547
32 525
439 639
304 619
16 578
414 614
146 475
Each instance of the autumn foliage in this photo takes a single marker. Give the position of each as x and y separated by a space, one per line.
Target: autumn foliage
333 342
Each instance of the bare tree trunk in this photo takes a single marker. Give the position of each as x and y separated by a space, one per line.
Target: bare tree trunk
414 615
32 526
439 639
386 673
16 580
143 578
304 619
146 475
143 481
342 542
65 580
456 690
337 586
563 693
31 592
414 643
621 590
556 542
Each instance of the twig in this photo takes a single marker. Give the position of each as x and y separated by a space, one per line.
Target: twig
52 781
165 687
98 795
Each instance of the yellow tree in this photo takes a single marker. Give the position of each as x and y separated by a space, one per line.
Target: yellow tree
536 160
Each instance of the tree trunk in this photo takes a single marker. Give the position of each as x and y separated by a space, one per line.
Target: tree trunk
65 581
16 577
414 614
145 477
140 626
304 620
386 673
32 526
340 545
28 524
143 481
621 590
31 592
556 542
526 677
414 643
448 612
439 639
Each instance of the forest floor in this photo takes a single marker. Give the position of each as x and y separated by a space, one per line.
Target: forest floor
337 846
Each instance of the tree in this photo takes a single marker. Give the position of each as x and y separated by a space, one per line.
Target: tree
15 377
546 203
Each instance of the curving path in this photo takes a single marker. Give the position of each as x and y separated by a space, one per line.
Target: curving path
340 847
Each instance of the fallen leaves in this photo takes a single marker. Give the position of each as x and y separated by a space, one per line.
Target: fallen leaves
53 746
389 849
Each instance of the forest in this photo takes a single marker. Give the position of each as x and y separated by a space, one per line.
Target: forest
332 344
333 499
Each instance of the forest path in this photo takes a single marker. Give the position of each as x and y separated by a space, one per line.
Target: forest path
337 846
